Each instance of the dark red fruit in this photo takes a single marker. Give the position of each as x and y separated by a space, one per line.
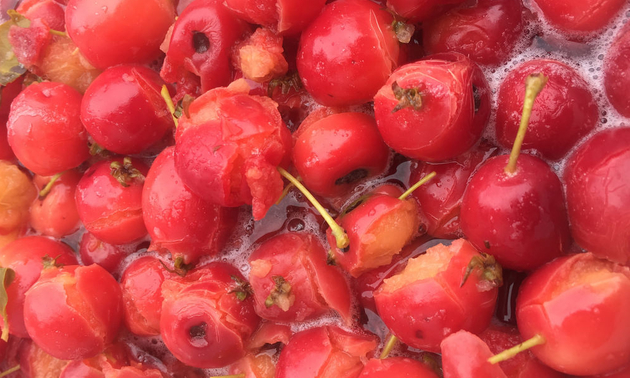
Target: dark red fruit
433 109
179 221
438 293
207 316
345 63
229 147
598 193
334 153
325 352
519 218
26 257
292 282
578 305
283 16
110 32
486 32
440 199
66 317
123 109
617 72
45 130
108 256
199 47
109 200
563 112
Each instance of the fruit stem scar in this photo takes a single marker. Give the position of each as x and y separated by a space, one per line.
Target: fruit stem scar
410 97
339 233
509 353
44 192
389 345
417 185
534 84
169 103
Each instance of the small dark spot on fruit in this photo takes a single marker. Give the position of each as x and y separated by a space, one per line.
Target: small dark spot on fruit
346 249
198 331
352 177
476 97
487 244
422 229
419 334
201 43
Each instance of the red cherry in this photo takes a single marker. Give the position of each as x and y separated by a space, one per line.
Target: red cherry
577 305
65 318
563 113
325 349
378 227
465 355
292 282
396 367
345 63
110 32
519 218
433 109
54 213
112 209
25 257
229 149
45 130
200 44
179 221
283 16
597 193
124 111
52 12
420 10
584 16
438 293
486 32
440 199
207 316
332 154
142 295
108 256
617 72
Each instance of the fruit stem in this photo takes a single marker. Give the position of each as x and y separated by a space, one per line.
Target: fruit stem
125 172
509 353
44 192
339 233
286 189
389 345
534 84
57 32
169 103
14 369
404 31
417 185
410 97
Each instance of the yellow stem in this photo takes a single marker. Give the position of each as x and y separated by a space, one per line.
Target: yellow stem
14 369
338 232
169 103
286 189
534 84
44 192
509 353
417 185
391 342
57 32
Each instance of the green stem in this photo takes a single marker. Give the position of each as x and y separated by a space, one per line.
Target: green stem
169 103
44 192
14 369
387 349
417 185
509 353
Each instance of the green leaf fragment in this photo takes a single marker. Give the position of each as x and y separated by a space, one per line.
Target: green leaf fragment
7 276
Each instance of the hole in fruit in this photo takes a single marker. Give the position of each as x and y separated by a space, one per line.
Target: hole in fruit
476 97
201 43
197 331
353 176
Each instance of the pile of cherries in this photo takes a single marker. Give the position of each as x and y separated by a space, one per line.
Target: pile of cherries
314 189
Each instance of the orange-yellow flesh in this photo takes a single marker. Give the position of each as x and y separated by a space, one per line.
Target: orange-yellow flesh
63 63
388 237
586 273
428 265
17 192
263 366
339 362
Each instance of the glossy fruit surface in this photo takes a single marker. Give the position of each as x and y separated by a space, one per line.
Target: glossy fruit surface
465 355
597 191
56 214
585 16
110 32
616 69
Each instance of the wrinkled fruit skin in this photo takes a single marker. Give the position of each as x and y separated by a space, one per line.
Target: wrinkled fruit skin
286 17
598 193
82 322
